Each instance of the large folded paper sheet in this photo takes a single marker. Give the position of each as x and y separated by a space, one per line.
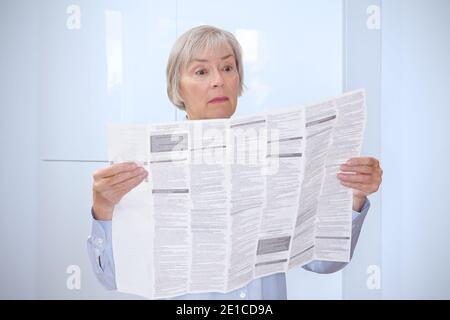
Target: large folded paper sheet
230 200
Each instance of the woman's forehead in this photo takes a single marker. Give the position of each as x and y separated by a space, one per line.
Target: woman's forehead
220 51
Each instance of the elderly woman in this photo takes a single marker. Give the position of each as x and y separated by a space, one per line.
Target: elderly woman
205 79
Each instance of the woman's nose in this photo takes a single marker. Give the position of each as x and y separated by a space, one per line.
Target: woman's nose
217 80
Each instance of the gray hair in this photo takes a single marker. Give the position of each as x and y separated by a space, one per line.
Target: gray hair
193 42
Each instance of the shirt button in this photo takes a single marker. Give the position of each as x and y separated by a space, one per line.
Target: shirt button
242 294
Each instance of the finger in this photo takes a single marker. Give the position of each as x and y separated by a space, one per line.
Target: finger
123 176
114 169
357 186
358 169
358 177
363 161
125 186
105 184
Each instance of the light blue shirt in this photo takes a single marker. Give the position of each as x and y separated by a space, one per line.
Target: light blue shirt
273 287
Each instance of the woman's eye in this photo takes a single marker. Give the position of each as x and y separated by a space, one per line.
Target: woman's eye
200 72
228 68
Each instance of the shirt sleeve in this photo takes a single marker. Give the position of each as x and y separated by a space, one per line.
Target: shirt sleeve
318 266
99 247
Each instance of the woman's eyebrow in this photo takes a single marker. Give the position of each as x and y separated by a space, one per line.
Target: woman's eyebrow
206 60
226 57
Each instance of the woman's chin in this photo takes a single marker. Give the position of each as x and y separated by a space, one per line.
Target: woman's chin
220 112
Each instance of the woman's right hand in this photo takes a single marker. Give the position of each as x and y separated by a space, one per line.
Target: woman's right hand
111 184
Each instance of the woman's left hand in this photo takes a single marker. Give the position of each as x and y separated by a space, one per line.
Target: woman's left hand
363 175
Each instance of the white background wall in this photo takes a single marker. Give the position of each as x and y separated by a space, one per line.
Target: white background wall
415 149
19 111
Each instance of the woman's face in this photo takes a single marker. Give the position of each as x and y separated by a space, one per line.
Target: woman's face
209 85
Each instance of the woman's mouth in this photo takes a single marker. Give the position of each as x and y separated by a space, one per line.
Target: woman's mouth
218 100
